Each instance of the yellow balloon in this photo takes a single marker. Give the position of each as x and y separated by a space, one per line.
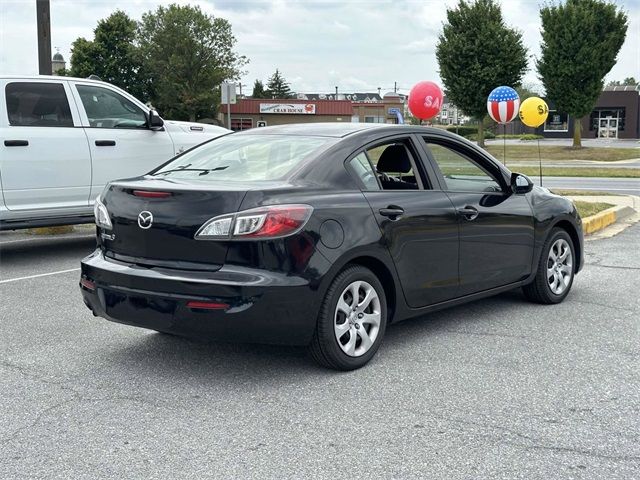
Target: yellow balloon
533 112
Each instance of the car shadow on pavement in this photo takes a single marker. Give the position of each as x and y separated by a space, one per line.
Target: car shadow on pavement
21 252
167 357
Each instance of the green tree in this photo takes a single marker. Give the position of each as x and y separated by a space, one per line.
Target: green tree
258 90
477 52
112 55
580 42
188 54
277 86
527 90
626 81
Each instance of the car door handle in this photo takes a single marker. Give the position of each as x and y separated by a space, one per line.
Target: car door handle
468 212
392 211
16 143
105 143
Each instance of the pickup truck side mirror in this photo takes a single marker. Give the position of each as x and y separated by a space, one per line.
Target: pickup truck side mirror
155 122
521 184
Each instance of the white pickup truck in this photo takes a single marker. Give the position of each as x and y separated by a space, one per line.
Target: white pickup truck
62 139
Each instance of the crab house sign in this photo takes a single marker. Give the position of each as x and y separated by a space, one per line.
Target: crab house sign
289 108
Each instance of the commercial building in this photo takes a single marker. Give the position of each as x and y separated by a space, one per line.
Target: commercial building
616 115
366 108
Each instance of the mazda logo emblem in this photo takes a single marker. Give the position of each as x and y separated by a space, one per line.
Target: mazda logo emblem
145 220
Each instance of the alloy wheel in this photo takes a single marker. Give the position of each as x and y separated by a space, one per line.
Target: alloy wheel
559 266
357 318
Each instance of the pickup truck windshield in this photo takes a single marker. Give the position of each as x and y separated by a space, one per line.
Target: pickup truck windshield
244 158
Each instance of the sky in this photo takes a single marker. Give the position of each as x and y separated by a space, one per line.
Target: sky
356 45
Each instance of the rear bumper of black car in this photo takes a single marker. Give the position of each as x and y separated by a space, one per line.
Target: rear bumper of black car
261 306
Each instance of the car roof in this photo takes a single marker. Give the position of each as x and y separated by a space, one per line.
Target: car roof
338 130
50 77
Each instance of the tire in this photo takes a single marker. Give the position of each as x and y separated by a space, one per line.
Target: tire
360 337
546 287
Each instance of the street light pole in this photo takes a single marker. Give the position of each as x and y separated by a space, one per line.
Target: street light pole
43 18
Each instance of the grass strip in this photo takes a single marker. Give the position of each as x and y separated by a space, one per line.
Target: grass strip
577 172
586 209
530 152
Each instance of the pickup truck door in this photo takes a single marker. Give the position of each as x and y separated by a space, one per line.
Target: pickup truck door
44 157
121 143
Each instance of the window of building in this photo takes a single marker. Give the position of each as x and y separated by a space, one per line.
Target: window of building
556 122
36 104
374 119
238 124
108 109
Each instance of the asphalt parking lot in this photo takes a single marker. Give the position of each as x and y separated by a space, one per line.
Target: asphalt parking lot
499 388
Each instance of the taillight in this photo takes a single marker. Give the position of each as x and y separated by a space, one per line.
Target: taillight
264 222
88 284
101 215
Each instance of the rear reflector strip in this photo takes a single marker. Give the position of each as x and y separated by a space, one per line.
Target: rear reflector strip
207 305
150 194
88 284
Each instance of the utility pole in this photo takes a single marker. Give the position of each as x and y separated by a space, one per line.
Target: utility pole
336 92
395 87
43 18
228 87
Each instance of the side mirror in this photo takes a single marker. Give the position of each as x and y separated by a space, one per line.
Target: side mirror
155 122
521 184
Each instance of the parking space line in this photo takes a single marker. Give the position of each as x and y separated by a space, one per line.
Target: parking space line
17 279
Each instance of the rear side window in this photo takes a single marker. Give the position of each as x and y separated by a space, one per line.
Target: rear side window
36 104
243 158
395 165
108 109
361 167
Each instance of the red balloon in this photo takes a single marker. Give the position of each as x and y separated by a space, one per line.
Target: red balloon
425 100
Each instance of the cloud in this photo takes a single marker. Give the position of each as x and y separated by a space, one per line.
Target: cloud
316 45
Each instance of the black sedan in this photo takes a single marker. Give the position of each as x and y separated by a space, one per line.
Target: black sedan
323 235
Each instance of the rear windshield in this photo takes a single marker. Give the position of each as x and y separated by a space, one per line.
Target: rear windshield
244 158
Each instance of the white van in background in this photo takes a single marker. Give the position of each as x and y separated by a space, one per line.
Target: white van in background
63 139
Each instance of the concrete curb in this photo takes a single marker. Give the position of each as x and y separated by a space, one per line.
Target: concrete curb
603 219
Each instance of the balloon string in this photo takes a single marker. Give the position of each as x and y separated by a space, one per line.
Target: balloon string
540 161
504 144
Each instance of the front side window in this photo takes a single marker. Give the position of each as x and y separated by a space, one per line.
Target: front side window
36 104
243 158
108 109
460 173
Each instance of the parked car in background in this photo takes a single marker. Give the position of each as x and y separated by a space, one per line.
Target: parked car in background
63 139
321 235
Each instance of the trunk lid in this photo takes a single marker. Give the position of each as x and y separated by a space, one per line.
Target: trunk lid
176 217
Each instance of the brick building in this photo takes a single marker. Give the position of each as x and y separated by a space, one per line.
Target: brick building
254 112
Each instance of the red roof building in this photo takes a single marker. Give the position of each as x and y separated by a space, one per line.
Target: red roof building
261 112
